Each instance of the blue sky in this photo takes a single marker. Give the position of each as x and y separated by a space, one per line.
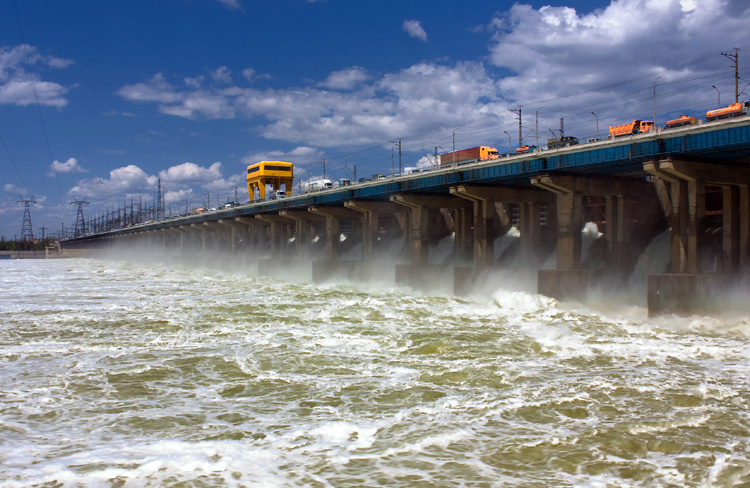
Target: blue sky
102 99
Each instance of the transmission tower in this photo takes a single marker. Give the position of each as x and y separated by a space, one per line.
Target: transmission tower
27 233
80 221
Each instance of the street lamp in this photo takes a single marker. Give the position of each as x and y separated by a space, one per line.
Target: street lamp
655 98
509 146
454 144
719 94
536 122
322 163
597 125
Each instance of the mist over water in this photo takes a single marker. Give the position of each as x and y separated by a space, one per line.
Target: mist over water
116 373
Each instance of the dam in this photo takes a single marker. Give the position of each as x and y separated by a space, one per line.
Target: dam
691 181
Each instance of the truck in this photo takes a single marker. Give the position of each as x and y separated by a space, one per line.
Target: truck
733 110
634 127
479 153
563 141
316 185
681 122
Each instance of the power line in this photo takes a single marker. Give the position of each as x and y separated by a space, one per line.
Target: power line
36 96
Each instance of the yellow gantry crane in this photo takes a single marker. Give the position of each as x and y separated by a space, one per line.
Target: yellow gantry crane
274 173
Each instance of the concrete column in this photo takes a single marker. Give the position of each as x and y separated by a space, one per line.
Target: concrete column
730 258
744 231
370 231
569 225
487 204
696 224
419 225
530 227
303 221
277 225
333 216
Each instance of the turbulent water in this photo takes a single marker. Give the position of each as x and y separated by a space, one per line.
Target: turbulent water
120 374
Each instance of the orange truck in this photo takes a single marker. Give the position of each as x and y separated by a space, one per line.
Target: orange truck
634 127
481 153
733 110
682 121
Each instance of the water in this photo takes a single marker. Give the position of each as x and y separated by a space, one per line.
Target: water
127 375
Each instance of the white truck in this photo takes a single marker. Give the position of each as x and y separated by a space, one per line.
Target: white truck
316 185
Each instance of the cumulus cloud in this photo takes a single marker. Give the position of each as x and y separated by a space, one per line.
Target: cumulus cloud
360 111
177 196
121 180
606 59
231 4
178 182
69 166
346 79
19 87
565 52
191 173
222 74
300 156
11 188
414 29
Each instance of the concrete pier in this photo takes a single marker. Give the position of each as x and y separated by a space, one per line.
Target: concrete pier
694 181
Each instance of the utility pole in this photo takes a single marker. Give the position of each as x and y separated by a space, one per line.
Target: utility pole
454 145
398 142
399 157
27 232
435 163
597 125
735 59
322 163
655 98
536 124
517 111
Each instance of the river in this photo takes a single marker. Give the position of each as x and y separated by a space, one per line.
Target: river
121 374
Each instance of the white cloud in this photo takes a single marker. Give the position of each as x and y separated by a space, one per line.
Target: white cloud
191 173
10 188
69 166
16 85
178 196
300 156
414 29
231 4
121 180
222 74
346 79
569 60
421 98
565 52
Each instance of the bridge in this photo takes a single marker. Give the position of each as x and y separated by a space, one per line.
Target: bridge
692 180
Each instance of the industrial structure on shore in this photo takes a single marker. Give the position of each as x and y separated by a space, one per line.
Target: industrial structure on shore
692 177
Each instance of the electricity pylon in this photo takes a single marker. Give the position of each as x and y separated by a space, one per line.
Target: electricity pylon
80 221
27 232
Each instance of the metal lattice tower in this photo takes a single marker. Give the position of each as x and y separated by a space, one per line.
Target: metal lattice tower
80 221
27 232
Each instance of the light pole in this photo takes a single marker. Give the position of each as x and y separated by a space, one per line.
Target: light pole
454 144
597 125
509 147
719 94
655 99
322 163
536 123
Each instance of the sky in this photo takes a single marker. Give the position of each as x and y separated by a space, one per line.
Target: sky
102 101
